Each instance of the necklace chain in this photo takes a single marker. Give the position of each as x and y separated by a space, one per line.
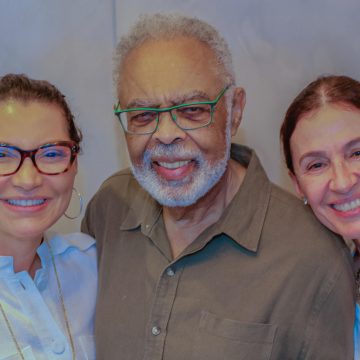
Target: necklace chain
67 323
11 332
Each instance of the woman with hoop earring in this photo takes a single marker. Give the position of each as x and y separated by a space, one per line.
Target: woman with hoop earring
47 283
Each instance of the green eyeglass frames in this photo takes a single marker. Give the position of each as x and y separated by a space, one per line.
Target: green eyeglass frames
190 116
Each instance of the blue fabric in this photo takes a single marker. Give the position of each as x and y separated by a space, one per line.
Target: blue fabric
357 333
33 306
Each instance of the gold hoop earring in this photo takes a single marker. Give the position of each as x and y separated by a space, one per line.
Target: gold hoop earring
80 206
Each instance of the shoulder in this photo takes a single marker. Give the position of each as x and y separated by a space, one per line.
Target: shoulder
284 204
119 186
62 243
75 256
302 234
314 260
123 177
288 212
120 197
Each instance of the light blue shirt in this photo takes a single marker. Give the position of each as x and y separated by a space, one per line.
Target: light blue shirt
33 306
357 333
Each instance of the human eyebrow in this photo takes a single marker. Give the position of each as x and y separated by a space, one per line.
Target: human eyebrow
354 142
311 155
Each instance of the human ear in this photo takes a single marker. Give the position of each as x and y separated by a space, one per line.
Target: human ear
237 108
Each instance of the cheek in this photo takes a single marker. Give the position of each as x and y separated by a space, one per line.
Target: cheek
210 140
3 183
64 185
314 190
136 147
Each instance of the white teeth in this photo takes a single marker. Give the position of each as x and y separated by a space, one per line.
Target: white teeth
347 206
173 165
20 202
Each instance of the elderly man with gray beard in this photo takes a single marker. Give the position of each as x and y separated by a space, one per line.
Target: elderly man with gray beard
200 256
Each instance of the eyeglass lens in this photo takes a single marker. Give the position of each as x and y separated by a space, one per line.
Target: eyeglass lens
49 160
187 117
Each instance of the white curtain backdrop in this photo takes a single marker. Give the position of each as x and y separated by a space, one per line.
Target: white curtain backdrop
278 46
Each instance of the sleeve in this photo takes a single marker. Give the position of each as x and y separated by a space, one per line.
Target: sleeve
330 329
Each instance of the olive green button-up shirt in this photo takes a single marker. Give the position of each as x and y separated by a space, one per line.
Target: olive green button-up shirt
266 281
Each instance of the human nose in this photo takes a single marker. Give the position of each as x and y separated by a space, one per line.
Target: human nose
27 177
167 130
343 178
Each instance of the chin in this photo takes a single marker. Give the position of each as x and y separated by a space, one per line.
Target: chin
348 232
351 235
31 230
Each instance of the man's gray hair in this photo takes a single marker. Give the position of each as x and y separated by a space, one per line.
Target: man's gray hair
169 26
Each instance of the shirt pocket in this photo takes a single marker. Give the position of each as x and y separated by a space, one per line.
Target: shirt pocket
219 338
86 346
26 351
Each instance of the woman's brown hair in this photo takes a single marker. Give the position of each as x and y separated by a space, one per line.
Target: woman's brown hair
20 87
325 90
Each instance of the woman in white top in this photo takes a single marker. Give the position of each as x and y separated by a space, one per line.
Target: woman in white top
47 282
321 142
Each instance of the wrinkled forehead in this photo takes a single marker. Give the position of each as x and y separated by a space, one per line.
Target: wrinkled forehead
166 69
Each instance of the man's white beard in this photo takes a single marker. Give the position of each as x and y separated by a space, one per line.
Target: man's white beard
187 191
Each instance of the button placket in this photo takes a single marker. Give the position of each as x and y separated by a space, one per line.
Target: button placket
161 311
47 330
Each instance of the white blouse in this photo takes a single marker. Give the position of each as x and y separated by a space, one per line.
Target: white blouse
33 306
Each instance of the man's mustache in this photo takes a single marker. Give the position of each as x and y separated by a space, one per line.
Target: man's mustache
171 150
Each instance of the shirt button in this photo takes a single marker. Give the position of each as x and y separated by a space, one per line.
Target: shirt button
58 347
170 272
41 285
155 330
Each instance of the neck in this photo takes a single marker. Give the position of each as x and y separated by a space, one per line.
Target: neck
23 252
185 224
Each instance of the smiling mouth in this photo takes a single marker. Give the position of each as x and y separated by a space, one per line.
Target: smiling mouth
349 206
25 202
173 165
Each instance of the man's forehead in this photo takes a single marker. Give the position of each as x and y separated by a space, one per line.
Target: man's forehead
160 59
170 99
154 75
177 43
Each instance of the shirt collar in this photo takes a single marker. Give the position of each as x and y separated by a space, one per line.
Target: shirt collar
250 204
6 265
244 218
144 211
60 243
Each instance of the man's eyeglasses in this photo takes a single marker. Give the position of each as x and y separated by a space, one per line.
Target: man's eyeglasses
49 159
191 116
